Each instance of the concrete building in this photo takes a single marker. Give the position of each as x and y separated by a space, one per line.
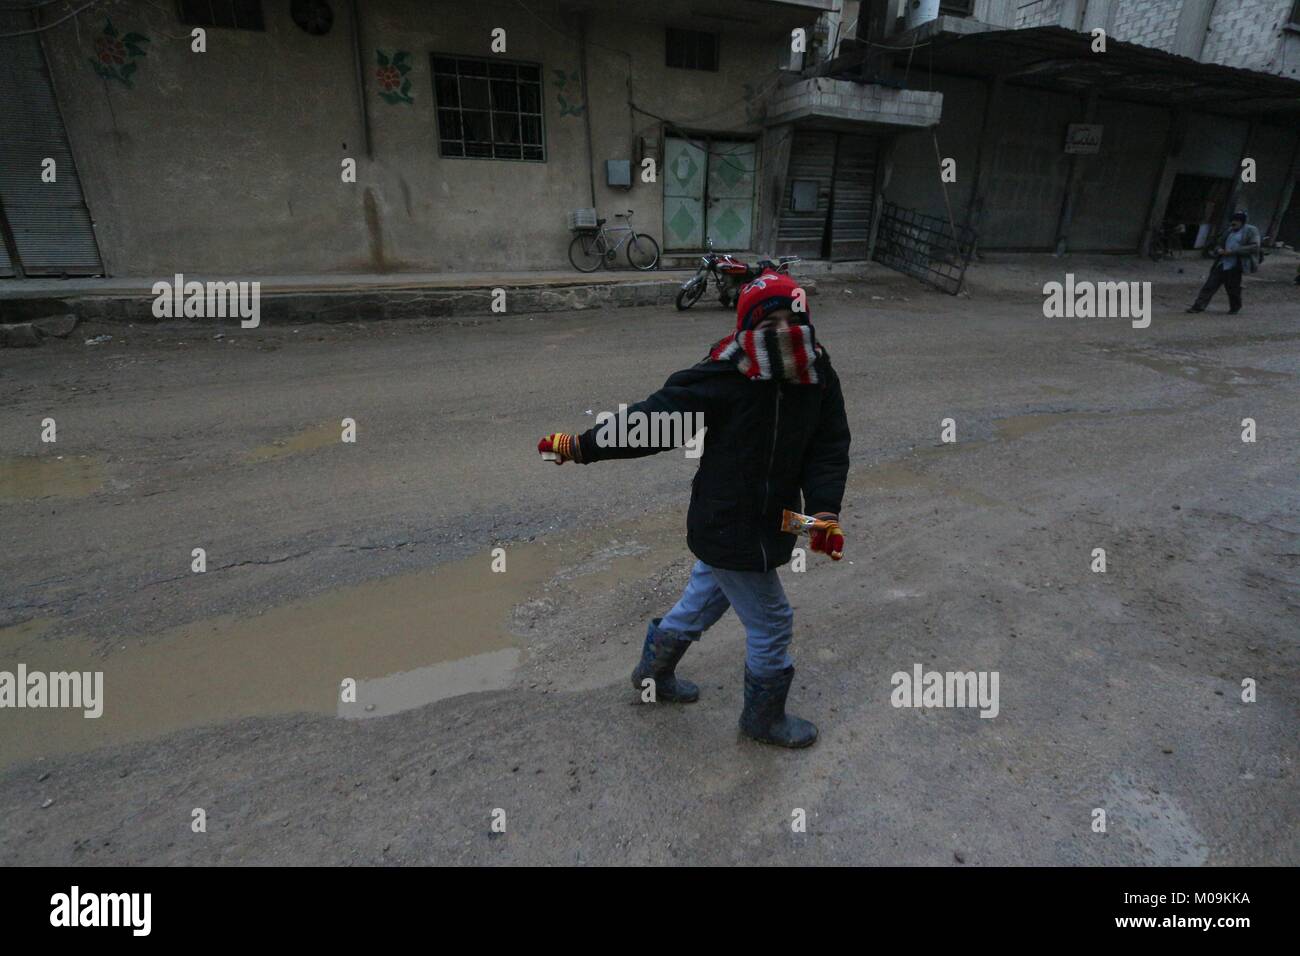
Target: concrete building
334 136
1061 146
474 128
1259 35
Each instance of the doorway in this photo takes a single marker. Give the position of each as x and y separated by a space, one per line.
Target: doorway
709 186
1197 204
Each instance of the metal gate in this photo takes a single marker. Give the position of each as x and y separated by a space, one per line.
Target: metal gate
685 168
924 246
708 192
48 221
729 217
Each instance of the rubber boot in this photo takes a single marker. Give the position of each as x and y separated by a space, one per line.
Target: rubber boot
659 659
764 717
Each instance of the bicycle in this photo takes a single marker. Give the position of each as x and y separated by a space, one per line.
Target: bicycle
590 249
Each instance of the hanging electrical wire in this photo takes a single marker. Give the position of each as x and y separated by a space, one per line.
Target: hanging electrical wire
46 26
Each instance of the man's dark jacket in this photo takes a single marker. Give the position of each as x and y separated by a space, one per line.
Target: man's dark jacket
768 442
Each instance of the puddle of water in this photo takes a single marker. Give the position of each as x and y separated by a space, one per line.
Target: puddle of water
47 476
318 436
1220 379
897 476
14 639
406 640
410 689
1018 426
894 476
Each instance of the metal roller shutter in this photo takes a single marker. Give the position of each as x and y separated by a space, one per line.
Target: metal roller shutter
852 196
812 158
843 167
51 225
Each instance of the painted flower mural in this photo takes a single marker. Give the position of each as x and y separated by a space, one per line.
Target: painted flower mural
390 74
115 54
569 84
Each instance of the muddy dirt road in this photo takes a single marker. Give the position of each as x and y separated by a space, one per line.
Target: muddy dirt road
373 560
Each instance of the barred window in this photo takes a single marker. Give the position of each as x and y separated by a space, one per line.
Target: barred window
488 109
692 50
235 14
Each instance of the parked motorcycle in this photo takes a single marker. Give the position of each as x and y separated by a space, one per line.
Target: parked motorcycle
729 274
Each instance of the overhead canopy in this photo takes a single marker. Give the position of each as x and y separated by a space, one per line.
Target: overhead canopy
1055 58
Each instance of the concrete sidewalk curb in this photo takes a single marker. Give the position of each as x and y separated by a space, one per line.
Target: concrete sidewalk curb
352 304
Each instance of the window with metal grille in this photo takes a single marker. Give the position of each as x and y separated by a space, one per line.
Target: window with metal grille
235 14
488 109
692 50
957 8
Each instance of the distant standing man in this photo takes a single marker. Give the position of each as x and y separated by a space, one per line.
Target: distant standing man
1237 252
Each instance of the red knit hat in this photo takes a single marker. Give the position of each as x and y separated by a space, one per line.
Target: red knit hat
768 293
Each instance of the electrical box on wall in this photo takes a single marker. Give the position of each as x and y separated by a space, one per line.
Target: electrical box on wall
803 195
618 172
647 148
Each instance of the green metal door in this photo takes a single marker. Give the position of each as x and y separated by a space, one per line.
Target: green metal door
730 202
685 165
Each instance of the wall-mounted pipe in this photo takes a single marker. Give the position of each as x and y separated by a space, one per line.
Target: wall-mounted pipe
357 61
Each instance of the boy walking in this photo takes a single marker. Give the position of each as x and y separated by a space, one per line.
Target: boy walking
777 433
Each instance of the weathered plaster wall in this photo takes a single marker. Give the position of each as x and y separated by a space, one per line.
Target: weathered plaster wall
915 181
229 161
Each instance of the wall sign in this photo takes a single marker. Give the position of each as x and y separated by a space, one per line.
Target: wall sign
1083 138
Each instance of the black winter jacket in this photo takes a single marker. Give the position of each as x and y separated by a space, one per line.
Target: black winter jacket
768 443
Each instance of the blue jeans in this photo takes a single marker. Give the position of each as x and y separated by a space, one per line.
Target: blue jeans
760 603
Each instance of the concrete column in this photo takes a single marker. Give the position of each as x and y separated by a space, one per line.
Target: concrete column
1193 22
983 161
1165 184
1071 195
775 166
834 22
1239 191
884 170
1288 190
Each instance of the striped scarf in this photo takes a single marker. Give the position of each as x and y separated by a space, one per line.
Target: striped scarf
793 347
